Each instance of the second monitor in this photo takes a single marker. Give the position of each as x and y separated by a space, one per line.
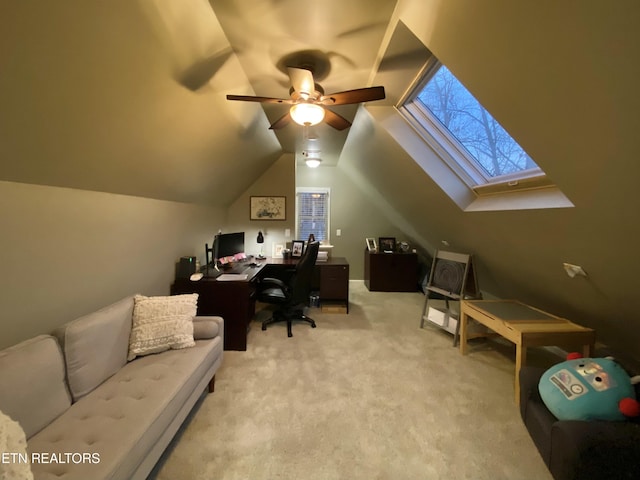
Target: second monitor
228 247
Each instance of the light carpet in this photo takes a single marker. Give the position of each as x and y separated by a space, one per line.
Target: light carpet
368 395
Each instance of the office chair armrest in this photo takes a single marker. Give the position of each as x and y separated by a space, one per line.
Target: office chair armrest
273 282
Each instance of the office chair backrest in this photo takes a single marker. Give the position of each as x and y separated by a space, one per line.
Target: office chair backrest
301 281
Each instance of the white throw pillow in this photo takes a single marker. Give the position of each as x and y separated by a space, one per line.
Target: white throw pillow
161 323
13 444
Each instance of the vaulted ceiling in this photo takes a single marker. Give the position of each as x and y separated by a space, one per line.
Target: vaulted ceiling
101 95
128 96
139 88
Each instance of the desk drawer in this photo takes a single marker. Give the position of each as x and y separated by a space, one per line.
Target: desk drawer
334 282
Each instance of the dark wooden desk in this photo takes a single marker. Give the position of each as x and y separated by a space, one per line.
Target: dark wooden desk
330 278
235 300
232 300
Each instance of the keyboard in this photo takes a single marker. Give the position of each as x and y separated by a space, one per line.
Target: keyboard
239 268
212 273
236 269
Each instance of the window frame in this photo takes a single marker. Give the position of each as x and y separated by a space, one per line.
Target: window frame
323 190
451 150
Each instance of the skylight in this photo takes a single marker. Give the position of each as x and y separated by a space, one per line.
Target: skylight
466 135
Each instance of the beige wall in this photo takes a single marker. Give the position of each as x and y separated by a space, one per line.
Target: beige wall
356 209
278 180
65 252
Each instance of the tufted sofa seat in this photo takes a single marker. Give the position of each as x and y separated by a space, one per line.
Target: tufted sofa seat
77 397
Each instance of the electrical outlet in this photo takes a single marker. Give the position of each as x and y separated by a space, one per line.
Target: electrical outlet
338 232
287 232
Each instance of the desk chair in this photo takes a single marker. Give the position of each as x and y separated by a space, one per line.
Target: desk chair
292 296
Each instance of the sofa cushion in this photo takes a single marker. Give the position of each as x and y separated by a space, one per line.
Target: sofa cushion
95 346
161 323
122 420
33 391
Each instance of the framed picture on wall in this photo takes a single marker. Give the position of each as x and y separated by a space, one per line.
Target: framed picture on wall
268 208
387 244
371 244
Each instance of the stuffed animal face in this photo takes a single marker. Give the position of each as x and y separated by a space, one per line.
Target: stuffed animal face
588 389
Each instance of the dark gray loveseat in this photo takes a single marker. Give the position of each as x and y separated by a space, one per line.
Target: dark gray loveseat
579 450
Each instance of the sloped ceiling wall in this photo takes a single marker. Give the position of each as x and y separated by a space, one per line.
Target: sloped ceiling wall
93 97
560 78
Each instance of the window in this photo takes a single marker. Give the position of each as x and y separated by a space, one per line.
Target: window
312 213
467 137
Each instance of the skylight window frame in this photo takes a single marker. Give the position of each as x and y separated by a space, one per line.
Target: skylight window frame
452 151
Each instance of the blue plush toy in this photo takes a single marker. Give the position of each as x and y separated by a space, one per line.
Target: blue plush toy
589 389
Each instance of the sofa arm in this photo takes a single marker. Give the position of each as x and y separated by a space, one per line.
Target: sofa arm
207 327
594 450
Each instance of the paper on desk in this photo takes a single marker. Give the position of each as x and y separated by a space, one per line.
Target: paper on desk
226 277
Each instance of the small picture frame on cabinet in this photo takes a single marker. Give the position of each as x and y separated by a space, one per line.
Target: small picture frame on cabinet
387 244
371 244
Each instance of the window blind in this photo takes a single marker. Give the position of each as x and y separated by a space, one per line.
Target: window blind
313 214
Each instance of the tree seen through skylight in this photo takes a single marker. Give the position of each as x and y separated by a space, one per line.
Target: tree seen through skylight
479 133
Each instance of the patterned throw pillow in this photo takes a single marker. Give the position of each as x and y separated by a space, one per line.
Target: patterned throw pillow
161 323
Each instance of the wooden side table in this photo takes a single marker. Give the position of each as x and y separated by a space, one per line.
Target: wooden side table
525 326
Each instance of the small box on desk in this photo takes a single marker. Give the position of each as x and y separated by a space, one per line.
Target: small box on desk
322 257
324 251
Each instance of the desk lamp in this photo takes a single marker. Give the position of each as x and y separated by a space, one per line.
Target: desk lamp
260 241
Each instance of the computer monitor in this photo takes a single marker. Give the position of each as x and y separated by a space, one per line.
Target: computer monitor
228 247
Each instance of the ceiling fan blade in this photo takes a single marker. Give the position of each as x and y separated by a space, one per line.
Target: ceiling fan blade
302 80
336 121
354 96
249 98
283 121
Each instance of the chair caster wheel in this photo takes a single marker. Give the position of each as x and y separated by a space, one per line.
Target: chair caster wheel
313 325
289 335
264 327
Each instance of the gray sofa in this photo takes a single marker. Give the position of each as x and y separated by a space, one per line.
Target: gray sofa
86 411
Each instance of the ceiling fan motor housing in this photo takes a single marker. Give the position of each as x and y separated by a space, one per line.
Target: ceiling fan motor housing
316 95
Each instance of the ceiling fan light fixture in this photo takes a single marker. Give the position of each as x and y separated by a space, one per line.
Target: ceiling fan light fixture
313 162
304 113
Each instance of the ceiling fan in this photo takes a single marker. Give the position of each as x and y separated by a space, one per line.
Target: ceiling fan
308 101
